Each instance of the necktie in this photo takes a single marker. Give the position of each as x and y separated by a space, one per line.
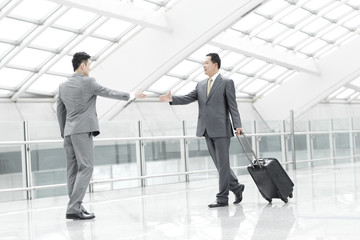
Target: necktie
209 86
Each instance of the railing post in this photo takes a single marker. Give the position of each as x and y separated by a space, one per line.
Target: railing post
186 151
352 140
284 146
142 154
292 129
28 172
309 143
332 142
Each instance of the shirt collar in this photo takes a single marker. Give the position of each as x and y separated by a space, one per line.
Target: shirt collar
215 76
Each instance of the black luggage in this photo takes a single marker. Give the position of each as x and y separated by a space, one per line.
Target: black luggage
269 176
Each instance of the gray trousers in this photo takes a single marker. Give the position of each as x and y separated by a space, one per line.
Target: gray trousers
219 150
79 155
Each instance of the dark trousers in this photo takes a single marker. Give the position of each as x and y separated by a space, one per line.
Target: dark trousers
219 150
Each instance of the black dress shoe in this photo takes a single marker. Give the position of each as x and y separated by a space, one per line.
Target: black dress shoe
238 196
80 216
217 204
86 212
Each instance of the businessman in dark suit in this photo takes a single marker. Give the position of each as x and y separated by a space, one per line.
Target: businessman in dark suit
76 112
217 102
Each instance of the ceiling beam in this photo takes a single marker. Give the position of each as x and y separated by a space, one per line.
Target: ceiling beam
120 10
265 53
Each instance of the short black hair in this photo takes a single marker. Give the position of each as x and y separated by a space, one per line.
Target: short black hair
214 57
78 58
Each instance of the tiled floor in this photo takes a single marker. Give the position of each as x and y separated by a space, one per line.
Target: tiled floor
326 205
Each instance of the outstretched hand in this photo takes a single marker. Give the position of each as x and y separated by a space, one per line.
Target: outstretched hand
166 98
140 94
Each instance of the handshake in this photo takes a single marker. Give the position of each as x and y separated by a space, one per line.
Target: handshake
163 98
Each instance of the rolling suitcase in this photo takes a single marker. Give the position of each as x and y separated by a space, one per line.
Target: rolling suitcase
269 176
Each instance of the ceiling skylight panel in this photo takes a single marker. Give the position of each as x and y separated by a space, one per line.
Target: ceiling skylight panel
75 19
113 28
30 58
64 65
354 3
316 26
272 31
11 29
269 9
249 22
337 92
338 12
316 6
238 78
4 49
187 88
335 34
356 82
92 46
36 10
295 17
46 84
200 54
52 38
293 40
353 23
313 47
253 67
255 86
345 94
164 84
232 59
5 93
184 68
12 78
274 73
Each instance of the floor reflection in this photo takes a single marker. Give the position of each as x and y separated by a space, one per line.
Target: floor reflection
274 222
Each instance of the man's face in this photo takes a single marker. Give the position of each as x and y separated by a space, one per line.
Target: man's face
210 68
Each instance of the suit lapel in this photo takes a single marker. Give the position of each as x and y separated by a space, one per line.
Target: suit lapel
214 86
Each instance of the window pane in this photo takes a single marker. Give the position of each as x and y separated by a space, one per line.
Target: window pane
30 58
163 84
14 29
12 78
113 28
249 22
293 40
231 59
64 65
253 67
255 86
335 34
316 26
75 19
184 68
46 84
272 32
274 73
52 38
93 46
313 47
187 88
295 17
200 54
36 10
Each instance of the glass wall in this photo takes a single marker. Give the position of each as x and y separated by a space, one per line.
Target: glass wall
162 152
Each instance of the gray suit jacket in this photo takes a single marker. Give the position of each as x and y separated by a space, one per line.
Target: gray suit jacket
76 104
214 110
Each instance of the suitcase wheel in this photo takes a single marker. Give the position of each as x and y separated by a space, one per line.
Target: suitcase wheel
291 195
269 200
285 200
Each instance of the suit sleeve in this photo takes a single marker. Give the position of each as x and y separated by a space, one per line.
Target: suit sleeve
102 91
61 115
186 99
231 102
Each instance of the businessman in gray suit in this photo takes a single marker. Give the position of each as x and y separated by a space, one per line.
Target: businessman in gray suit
76 112
217 102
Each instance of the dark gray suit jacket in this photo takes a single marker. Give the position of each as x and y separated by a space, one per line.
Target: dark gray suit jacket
214 110
76 104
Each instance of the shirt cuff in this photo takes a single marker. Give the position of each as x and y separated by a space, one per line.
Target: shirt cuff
132 96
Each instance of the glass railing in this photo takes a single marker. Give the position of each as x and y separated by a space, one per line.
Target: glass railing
138 154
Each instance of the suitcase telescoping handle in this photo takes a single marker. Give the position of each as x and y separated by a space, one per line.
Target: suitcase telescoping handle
252 151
